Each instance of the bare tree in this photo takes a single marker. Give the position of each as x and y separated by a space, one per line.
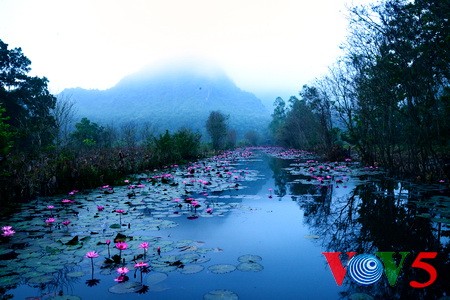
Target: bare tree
64 114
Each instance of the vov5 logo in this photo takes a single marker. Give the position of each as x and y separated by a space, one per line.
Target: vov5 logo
367 269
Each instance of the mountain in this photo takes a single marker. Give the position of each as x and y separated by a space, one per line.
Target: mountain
172 97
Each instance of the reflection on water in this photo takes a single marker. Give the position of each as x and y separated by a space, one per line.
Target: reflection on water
367 214
315 208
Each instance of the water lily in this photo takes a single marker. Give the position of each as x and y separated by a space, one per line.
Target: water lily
121 278
100 207
121 246
66 223
92 255
120 212
123 270
141 266
144 245
107 243
50 221
7 231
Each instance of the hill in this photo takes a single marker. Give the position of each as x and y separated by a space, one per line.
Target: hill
172 97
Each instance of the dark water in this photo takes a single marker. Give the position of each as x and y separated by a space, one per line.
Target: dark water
288 231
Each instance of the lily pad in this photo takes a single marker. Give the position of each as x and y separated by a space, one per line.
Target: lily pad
40 280
221 268
126 287
250 267
191 269
155 278
220 295
66 297
249 258
360 296
75 274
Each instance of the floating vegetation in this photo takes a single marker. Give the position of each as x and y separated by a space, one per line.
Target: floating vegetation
126 287
249 258
65 297
221 268
154 278
191 269
250 267
221 295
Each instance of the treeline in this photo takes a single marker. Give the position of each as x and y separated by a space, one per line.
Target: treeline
44 150
387 97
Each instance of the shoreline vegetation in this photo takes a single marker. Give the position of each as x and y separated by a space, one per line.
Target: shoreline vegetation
385 102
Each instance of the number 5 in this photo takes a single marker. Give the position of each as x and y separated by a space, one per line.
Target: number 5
419 264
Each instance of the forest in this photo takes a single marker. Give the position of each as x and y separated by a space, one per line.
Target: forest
385 101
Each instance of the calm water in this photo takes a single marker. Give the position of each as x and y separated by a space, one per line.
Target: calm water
288 228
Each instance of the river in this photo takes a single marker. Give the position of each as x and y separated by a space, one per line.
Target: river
252 224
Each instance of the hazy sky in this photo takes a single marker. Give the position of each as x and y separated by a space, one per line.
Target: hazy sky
266 46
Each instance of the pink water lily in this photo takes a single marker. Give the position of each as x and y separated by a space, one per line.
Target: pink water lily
7 231
66 223
144 245
123 270
121 278
120 212
140 264
121 245
92 254
107 243
50 221
100 207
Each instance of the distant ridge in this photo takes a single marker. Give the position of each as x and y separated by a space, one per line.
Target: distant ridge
172 97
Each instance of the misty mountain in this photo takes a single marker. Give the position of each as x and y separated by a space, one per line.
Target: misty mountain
172 97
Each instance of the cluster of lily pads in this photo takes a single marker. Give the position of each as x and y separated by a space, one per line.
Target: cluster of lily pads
310 171
58 239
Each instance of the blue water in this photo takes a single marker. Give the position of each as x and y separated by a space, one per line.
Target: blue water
287 233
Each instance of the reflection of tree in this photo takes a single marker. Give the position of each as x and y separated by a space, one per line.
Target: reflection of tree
60 285
370 218
281 177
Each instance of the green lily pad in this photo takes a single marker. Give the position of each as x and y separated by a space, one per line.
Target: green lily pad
65 297
75 274
249 258
360 296
250 267
155 278
191 269
40 280
220 295
221 268
126 287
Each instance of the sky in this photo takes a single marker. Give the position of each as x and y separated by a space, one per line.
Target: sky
268 47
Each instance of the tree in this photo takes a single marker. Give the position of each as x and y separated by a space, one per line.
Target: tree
27 101
397 65
6 135
64 115
252 137
87 133
278 119
187 143
216 126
